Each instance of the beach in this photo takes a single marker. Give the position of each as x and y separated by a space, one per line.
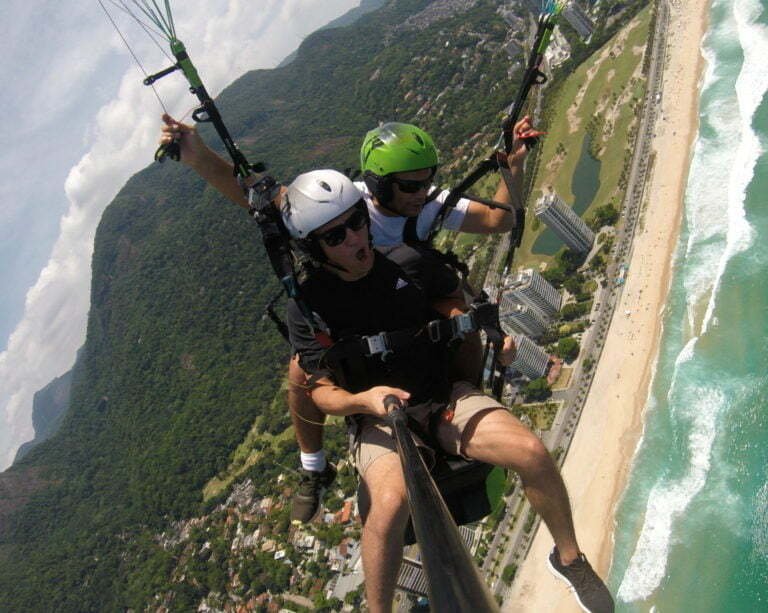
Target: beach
611 425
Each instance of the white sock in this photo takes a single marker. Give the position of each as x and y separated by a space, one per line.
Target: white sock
313 461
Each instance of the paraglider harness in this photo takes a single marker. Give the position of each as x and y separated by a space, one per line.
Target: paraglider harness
454 475
463 484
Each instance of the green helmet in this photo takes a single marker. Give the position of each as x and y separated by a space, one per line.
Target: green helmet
397 147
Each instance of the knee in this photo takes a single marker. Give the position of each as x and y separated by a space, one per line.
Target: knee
295 372
388 511
535 458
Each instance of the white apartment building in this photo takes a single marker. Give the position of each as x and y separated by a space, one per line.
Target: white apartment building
531 360
521 319
533 290
564 222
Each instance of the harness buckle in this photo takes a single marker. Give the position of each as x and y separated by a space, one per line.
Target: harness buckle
433 330
377 344
462 324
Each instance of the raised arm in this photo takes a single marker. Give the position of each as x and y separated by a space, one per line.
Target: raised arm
217 171
481 219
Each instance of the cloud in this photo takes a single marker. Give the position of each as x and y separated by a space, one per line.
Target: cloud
225 38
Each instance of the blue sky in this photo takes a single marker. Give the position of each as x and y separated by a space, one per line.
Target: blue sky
77 123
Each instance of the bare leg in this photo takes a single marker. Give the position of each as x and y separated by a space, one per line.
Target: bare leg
382 538
309 436
497 437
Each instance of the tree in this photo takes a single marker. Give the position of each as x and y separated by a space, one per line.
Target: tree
538 389
573 283
567 349
570 260
509 573
604 216
555 275
355 597
572 311
598 263
326 604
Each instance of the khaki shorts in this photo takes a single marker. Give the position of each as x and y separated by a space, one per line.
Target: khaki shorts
374 439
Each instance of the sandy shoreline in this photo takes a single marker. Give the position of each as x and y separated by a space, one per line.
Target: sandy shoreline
599 460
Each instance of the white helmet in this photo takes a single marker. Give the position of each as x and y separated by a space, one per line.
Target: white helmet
315 198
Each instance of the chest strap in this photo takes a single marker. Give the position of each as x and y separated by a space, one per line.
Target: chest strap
481 316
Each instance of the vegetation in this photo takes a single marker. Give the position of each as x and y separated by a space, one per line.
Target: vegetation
567 349
605 215
574 310
508 575
541 415
537 390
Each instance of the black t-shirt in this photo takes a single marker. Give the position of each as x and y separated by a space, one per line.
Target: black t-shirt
426 266
388 299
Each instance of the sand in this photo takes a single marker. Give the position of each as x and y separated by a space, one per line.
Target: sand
600 458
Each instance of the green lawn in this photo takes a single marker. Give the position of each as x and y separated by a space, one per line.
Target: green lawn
602 98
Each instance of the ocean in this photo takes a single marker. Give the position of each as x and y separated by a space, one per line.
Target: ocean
692 525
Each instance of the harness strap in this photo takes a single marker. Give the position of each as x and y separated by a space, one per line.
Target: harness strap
385 344
481 316
410 230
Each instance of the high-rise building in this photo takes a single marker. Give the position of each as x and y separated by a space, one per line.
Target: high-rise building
564 222
521 319
579 20
531 360
533 290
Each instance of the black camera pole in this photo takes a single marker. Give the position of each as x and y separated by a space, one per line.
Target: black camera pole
453 580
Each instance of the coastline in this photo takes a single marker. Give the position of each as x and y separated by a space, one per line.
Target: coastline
611 425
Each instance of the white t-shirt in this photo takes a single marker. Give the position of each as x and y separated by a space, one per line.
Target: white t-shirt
389 230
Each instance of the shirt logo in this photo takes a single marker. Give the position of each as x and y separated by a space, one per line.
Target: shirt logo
401 283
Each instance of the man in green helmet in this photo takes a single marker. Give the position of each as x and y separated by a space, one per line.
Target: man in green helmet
399 162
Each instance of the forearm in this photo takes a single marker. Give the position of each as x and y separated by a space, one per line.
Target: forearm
503 193
333 400
499 219
483 219
218 172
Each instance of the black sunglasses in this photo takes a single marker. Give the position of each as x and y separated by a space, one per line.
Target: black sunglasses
411 186
338 233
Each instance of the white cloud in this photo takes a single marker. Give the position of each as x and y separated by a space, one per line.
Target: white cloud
225 38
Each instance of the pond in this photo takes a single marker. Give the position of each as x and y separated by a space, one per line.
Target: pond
584 185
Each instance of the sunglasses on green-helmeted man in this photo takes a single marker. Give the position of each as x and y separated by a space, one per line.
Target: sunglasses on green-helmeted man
411 186
335 236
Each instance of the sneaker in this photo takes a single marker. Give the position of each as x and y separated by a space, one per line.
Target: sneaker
589 589
306 503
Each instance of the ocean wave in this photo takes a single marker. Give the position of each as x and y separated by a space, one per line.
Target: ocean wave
724 158
760 524
685 355
751 85
668 500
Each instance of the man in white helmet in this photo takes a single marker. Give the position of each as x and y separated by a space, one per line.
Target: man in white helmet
399 162
355 292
